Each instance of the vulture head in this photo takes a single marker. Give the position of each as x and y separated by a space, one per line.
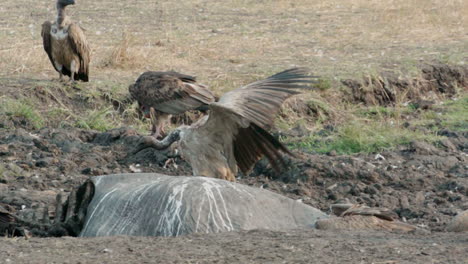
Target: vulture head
64 3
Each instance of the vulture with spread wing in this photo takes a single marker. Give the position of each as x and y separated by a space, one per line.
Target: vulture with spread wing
66 45
234 134
162 94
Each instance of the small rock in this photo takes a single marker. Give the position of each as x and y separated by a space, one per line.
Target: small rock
370 190
404 202
42 163
459 223
423 148
419 199
106 250
379 157
423 104
448 145
86 171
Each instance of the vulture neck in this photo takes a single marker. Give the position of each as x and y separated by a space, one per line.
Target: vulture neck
61 16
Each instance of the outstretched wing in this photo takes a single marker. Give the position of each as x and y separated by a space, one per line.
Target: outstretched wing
170 92
80 46
259 102
244 113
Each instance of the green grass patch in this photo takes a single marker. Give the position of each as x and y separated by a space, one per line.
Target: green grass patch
323 84
362 137
17 109
455 117
101 120
451 115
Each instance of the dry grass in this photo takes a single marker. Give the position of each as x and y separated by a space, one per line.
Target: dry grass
235 39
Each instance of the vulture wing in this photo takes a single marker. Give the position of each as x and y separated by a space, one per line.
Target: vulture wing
244 113
170 92
80 47
47 43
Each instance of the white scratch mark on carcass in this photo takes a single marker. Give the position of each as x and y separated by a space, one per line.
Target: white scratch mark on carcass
208 186
170 220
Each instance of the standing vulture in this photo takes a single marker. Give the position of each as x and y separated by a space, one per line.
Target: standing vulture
163 94
66 45
233 135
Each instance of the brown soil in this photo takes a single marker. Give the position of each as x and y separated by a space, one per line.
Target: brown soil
388 89
298 246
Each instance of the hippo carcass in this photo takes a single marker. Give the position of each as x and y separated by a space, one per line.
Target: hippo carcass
150 204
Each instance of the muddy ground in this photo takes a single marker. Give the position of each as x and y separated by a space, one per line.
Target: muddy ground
298 246
425 185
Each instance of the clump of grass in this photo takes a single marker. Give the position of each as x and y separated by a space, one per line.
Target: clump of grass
22 109
451 115
377 112
323 84
455 116
100 120
363 137
59 117
122 56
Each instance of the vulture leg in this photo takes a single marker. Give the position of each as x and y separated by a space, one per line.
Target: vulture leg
73 71
158 121
164 120
59 69
155 125
158 130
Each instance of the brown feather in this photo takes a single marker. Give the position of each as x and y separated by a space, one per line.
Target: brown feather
170 92
252 143
80 46
47 43
259 102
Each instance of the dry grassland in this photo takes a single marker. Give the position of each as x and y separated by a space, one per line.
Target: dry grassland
227 43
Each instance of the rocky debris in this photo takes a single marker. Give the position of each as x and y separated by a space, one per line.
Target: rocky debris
67 220
445 78
459 223
387 88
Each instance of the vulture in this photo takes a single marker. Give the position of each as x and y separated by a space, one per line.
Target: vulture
233 135
66 45
162 94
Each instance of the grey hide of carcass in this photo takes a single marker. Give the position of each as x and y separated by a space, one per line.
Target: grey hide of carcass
151 204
